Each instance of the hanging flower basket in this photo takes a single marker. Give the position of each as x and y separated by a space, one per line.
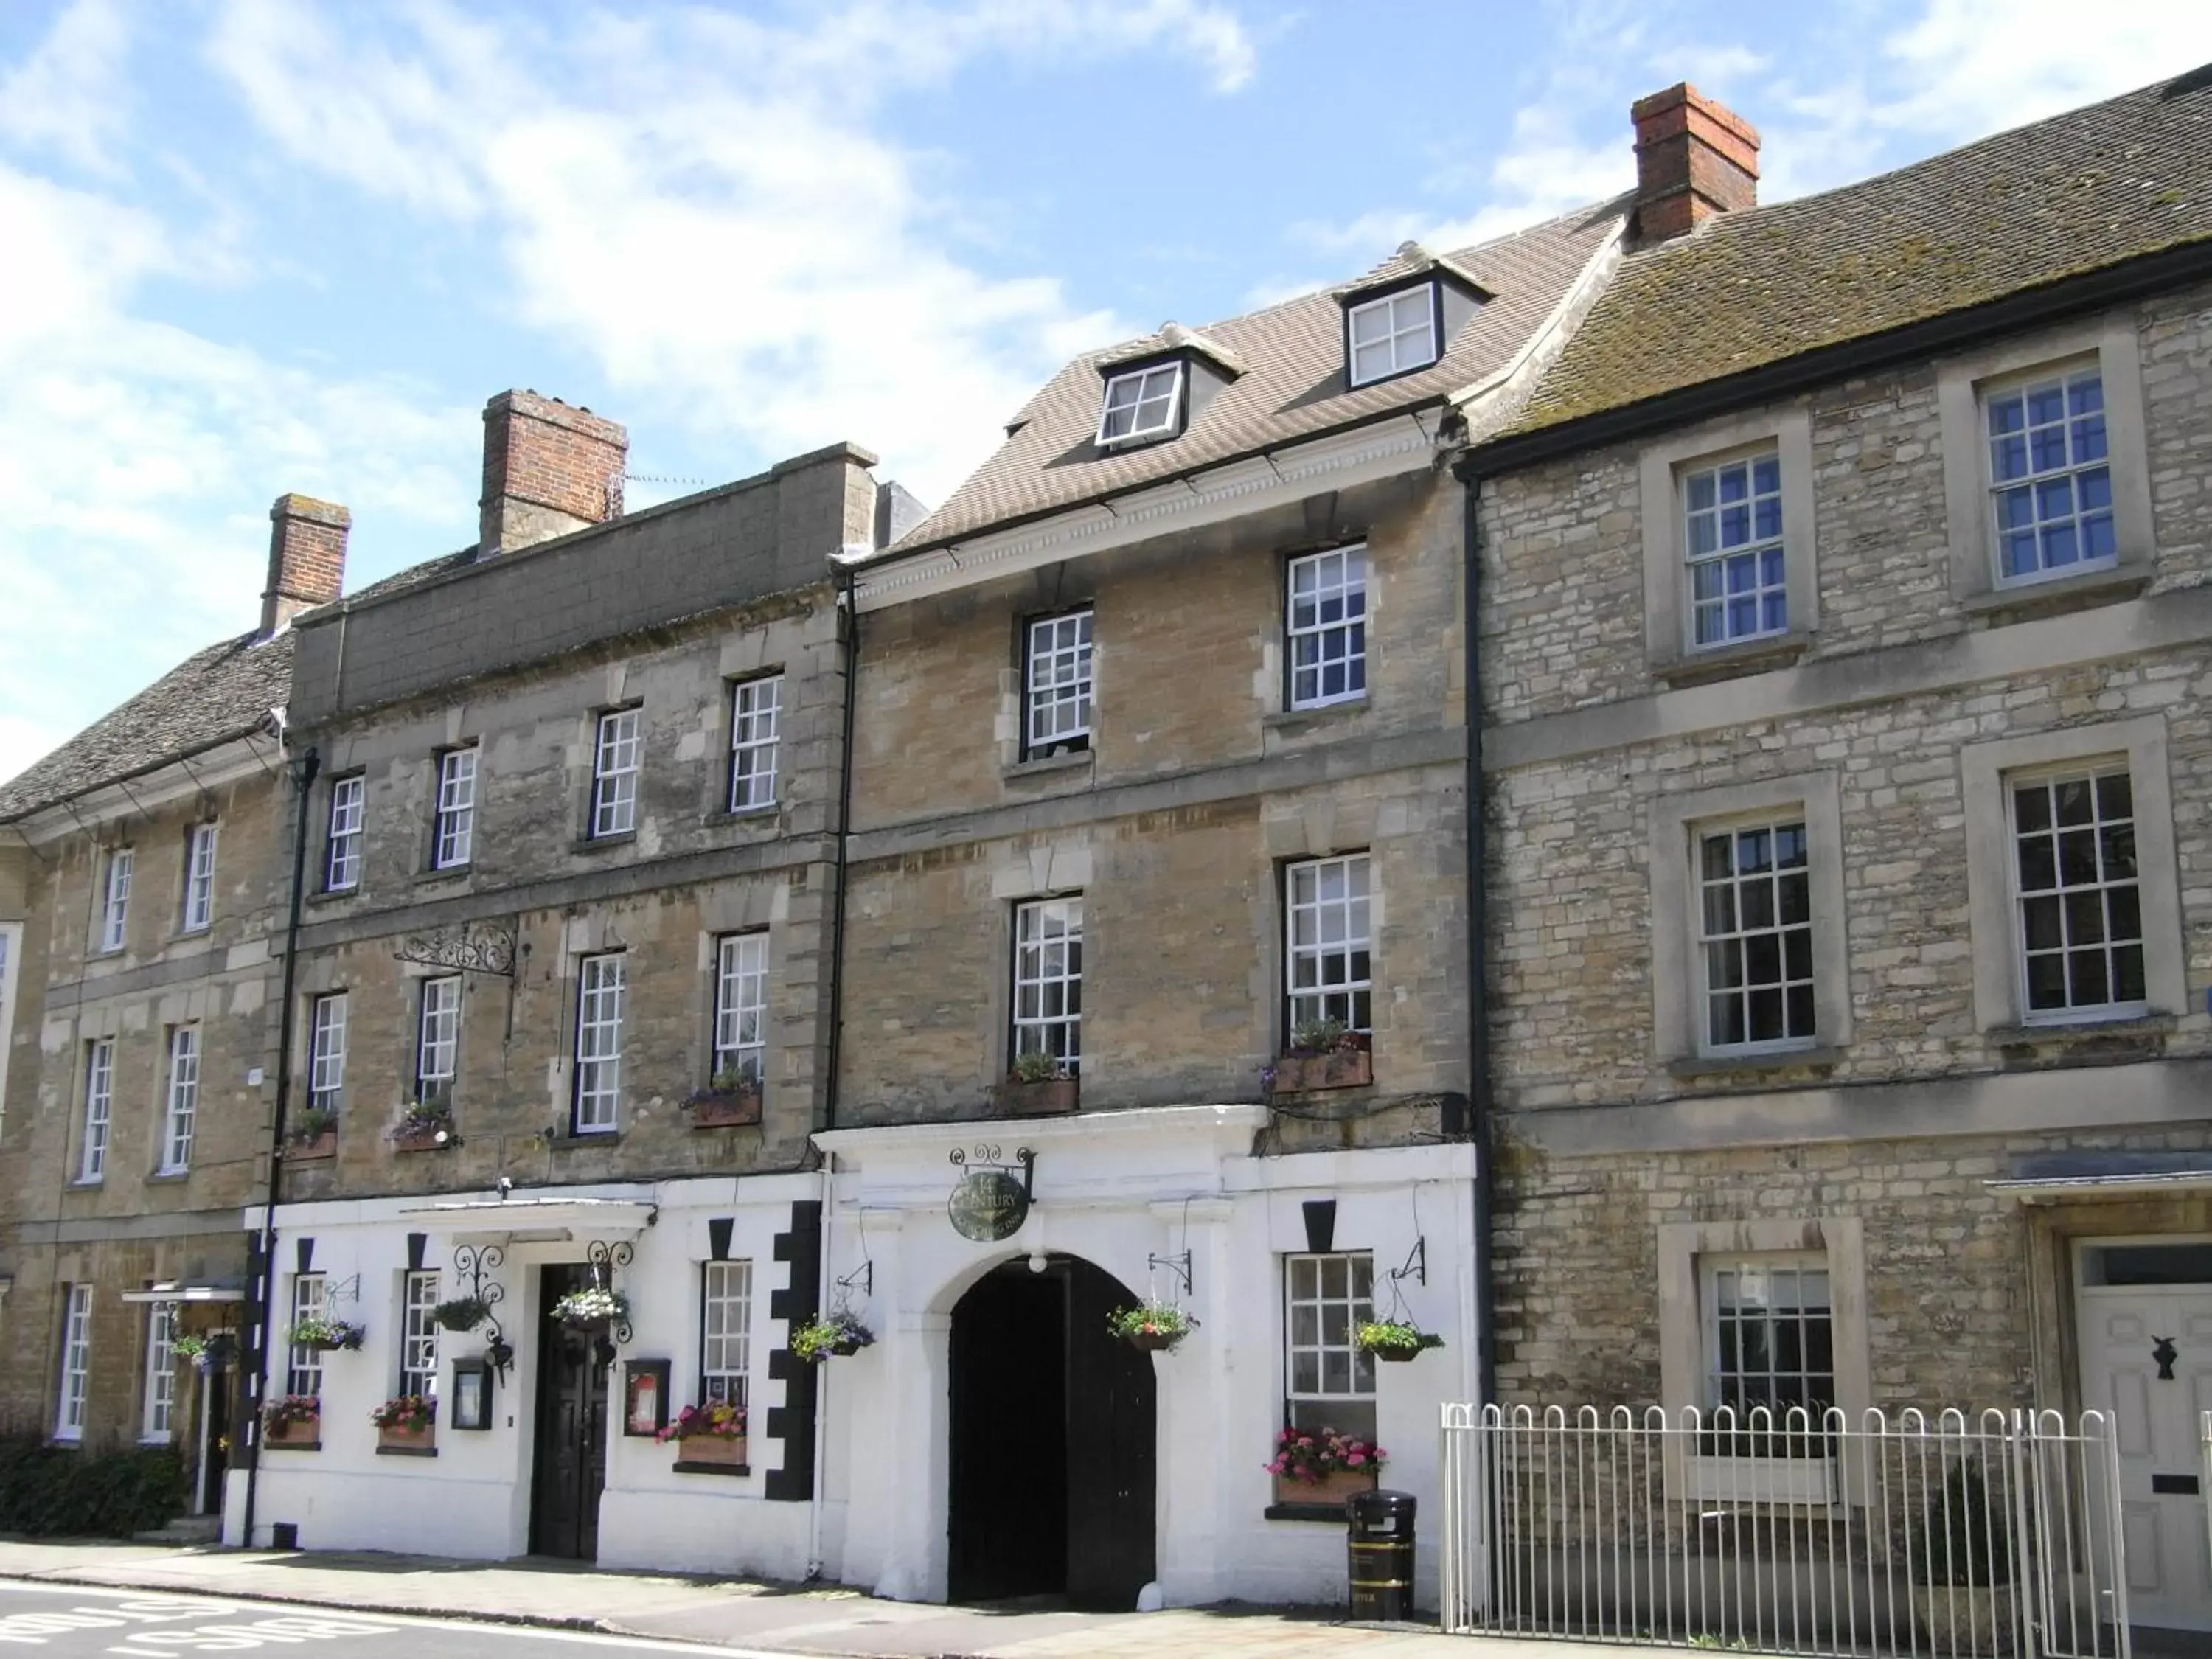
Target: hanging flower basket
1395 1341
190 1349
463 1313
1153 1327
592 1310
840 1335
324 1335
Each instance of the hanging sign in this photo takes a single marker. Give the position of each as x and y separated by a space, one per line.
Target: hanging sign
988 1202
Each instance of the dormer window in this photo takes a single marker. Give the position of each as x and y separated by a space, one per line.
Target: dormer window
1392 335
1142 403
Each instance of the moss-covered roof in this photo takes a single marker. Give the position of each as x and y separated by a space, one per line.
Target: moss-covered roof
2089 189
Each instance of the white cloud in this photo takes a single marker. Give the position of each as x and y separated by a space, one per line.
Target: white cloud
70 94
703 203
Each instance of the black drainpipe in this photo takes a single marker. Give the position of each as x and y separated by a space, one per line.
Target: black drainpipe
254 1369
850 631
1478 928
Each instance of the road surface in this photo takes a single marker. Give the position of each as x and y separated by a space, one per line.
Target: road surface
66 1620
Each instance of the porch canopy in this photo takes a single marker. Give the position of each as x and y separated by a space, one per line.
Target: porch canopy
220 1291
549 1220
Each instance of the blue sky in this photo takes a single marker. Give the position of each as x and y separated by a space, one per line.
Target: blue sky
256 245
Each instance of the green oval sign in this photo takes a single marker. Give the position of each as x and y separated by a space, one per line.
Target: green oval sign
987 1206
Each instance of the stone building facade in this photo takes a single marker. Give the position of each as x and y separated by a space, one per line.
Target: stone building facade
142 889
559 1013
1851 921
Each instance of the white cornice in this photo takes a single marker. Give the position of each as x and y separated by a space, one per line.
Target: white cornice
1382 449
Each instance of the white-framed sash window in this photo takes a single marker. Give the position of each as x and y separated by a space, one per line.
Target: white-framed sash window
726 1323
1056 682
342 861
615 765
1755 936
438 1035
1327 1382
158 1416
454 842
741 1007
1393 334
1048 980
115 900
327 1052
1327 626
2050 478
77 1364
1330 956
180 1105
599 1043
200 879
418 1335
1145 402
1768 1333
98 1107
303 1366
755 725
1732 532
2080 920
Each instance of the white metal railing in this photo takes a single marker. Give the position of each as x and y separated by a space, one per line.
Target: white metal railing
1795 1534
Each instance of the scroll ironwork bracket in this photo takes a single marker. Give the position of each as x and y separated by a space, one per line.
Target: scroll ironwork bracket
473 1262
1177 1264
477 948
861 1279
990 1157
1417 1263
604 1258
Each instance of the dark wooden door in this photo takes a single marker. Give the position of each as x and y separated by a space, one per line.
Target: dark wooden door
1112 1450
1009 1500
1053 1445
570 1469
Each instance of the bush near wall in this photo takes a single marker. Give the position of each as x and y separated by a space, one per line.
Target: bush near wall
47 1490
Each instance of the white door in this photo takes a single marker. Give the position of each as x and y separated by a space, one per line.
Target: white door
2154 1397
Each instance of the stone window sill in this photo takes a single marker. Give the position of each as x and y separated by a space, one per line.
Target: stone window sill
571 1143
91 1185
603 843
453 872
2089 587
681 1467
167 1177
2089 1031
1299 719
1777 1059
1726 661
1042 765
291 1445
762 814
340 894
1331 1513
406 1452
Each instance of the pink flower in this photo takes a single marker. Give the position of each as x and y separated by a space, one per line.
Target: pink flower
1305 1440
1354 1460
1274 1465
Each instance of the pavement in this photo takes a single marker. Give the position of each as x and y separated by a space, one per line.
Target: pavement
774 1618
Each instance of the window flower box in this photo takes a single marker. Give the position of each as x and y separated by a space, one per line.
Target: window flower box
710 1439
406 1426
1322 1468
1324 1054
721 1108
410 1437
1328 1491
296 1421
314 1134
1055 1097
324 1145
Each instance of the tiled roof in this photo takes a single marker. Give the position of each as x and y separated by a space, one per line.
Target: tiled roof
2079 192
1293 385
219 694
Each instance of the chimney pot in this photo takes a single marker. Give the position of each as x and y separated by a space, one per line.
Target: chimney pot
306 558
549 468
1694 158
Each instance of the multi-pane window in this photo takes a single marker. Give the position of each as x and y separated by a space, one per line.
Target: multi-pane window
438 1035
1756 935
599 1043
327 1052
99 1101
1329 947
1329 1382
161 1401
1048 980
2080 910
2050 477
115 899
1142 403
614 774
342 864
741 1007
1390 336
303 1366
1732 531
455 841
726 1323
755 717
1329 627
199 878
418 1335
181 1102
1769 1341
76 1363
1056 678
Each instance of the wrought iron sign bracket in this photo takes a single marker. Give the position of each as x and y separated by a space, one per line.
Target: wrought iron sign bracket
1178 1264
473 1262
474 948
604 1258
1417 1263
989 1158
861 1279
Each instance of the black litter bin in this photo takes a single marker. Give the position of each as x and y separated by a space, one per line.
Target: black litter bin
1381 1554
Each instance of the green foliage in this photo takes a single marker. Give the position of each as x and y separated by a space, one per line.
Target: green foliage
53 1490
1962 1538
1320 1037
1156 1320
463 1313
1034 1066
1395 1337
311 1125
840 1333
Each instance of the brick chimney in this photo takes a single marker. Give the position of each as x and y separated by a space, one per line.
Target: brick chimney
1694 158
549 468
306 558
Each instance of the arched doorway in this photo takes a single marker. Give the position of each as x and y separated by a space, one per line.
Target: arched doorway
1053 1441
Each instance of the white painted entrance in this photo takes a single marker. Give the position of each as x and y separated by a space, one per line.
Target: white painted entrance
2155 1393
